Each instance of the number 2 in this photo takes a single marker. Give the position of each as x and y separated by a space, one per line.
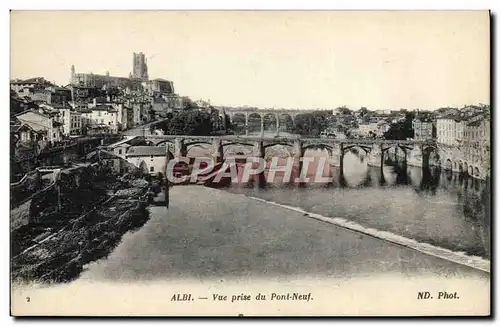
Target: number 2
28 299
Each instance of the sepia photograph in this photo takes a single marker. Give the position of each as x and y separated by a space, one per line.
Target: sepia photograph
250 163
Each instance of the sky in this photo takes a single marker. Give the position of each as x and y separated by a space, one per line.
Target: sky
280 59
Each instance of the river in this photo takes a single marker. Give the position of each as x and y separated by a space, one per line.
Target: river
431 206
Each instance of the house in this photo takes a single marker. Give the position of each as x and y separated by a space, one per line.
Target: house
115 163
70 119
102 118
449 129
150 159
120 148
42 123
476 145
29 86
26 134
422 128
158 86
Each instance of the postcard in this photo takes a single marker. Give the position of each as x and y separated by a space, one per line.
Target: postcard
250 163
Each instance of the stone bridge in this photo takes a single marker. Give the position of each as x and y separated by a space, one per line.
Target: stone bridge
375 149
261 114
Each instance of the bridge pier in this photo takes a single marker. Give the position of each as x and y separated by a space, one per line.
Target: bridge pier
180 148
341 162
425 157
277 124
224 121
382 150
262 126
246 124
218 150
299 151
258 149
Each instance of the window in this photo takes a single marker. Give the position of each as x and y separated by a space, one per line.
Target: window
152 169
120 151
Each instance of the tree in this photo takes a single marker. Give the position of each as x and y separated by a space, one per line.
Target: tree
344 110
401 130
198 123
85 129
227 120
113 92
189 103
312 123
363 111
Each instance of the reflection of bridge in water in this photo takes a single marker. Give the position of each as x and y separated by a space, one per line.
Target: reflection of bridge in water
422 153
375 149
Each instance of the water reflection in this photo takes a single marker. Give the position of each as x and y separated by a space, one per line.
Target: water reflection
430 205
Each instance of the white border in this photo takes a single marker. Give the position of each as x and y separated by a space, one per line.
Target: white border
191 4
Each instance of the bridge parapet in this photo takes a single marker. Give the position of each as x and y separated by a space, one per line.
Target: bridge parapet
280 139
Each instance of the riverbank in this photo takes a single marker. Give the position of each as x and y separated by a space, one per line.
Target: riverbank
210 241
56 246
211 234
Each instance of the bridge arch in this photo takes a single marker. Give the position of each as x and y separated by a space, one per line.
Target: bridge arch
319 146
365 148
278 143
286 121
476 171
197 142
254 122
465 168
194 145
164 141
237 143
269 121
460 167
448 165
238 121
470 171
287 148
247 147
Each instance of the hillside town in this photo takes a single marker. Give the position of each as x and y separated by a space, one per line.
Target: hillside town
95 136
169 162
45 115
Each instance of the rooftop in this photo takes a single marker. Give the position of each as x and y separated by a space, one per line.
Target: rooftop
146 151
34 80
123 141
455 117
101 154
103 107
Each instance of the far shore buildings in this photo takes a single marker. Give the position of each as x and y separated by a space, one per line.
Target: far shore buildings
468 130
422 127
